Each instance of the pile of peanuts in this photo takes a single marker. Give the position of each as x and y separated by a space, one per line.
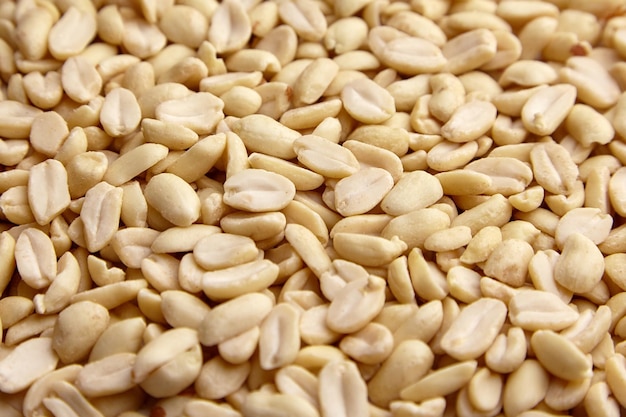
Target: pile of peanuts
312 208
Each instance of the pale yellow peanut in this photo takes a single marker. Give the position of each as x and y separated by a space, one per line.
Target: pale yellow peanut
468 337
133 244
141 38
48 133
89 80
528 73
279 340
590 328
42 388
506 131
121 113
588 221
588 126
267 404
615 376
220 84
240 279
15 207
593 83
563 394
302 178
297 212
448 93
217 325
35 258
258 190
508 175
580 266
84 171
184 111
350 196
440 382
310 84
406 54
102 272
48 192
342 390
311 115
373 156
421 119
494 211
469 50
541 272
368 250
508 50
357 61
305 17
560 356
484 389
15 308
110 375
77 329
393 139
469 121
171 378
280 40
112 295
544 111
325 157
199 158
63 44
401 199
553 168
308 247
417 25
161 271
508 262
263 134
507 352
173 198
125 336
17 119
219 378
406 91
175 137
428 281
313 327
32 326
534 310
599 401
356 304
597 190
414 227
345 35
530 370
27 363
297 381
393 376
367 102
239 349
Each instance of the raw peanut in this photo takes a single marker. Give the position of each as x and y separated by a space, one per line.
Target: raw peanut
63 43
356 304
616 376
222 250
408 55
230 27
35 258
218 325
263 134
325 157
268 404
507 352
184 111
120 114
404 196
314 80
508 262
560 356
48 190
161 271
547 108
590 222
428 281
580 266
533 379
279 340
563 394
495 211
305 17
219 378
368 250
257 190
588 126
408 362
28 362
474 329
508 175
440 382
484 390
367 102
308 247
469 50
77 329
528 73
362 191
173 198
238 280
535 310
107 376
112 295
593 83
342 390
